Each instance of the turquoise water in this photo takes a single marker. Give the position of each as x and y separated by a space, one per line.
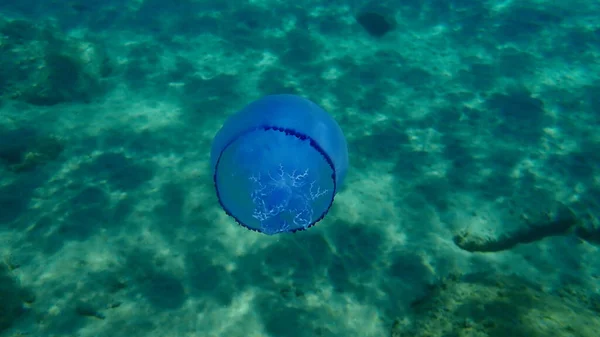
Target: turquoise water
470 205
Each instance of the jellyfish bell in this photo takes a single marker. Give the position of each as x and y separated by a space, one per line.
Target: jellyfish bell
278 164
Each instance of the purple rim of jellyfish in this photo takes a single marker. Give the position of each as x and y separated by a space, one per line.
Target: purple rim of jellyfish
288 132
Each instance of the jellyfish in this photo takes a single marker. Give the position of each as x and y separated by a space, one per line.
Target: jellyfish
278 163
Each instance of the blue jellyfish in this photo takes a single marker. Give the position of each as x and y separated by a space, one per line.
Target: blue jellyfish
278 163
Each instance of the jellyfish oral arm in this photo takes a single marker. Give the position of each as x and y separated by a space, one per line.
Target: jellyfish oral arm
283 200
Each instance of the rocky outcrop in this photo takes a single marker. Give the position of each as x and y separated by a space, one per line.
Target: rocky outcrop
483 305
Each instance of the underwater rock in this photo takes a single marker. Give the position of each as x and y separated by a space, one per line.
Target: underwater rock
557 219
278 163
41 66
485 305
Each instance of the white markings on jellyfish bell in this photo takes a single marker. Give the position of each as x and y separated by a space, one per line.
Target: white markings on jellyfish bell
282 199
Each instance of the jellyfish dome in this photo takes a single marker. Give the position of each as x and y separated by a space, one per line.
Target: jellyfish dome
278 164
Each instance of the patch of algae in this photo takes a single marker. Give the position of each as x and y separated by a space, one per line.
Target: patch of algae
479 305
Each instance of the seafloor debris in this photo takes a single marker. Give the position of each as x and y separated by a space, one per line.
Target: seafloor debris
483 305
41 66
